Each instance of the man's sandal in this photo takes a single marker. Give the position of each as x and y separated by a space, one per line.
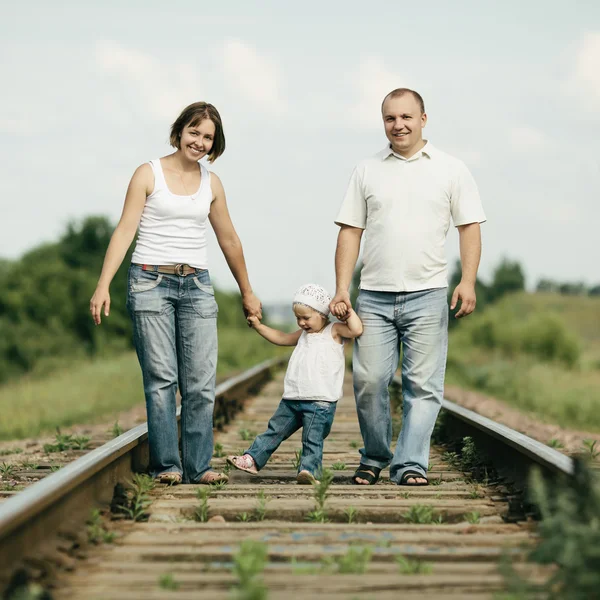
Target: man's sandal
412 475
368 472
170 477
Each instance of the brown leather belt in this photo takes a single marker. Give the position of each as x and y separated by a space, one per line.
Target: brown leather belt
181 270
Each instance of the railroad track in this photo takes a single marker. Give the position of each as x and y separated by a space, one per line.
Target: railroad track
379 541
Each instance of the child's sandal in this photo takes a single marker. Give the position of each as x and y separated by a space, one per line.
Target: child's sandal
243 463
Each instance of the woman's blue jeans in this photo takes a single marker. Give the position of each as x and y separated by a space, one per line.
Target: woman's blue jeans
175 337
417 324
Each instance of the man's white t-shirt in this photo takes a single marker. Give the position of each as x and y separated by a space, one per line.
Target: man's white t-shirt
405 207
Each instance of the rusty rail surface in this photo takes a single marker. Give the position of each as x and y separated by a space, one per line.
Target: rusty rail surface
62 500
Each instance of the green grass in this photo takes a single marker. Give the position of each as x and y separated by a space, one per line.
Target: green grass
92 391
538 352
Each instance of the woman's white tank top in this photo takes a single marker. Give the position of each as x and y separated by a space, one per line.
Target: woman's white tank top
316 368
173 228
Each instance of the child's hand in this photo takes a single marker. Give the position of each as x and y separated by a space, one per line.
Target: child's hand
341 311
253 322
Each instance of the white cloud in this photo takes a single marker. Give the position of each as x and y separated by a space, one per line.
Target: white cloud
587 66
146 83
256 76
374 80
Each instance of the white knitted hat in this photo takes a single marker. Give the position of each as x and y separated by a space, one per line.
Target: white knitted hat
313 296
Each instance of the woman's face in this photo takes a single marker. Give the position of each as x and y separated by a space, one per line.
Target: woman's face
196 142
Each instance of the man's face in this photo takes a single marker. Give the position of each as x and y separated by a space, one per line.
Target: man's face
403 122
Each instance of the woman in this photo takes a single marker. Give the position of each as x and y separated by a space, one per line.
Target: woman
171 300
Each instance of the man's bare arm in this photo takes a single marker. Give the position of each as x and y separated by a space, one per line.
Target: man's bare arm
470 254
346 255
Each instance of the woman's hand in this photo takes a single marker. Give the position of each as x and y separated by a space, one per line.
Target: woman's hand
101 298
252 306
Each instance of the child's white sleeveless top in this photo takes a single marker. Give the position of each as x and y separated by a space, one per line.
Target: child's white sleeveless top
316 368
173 227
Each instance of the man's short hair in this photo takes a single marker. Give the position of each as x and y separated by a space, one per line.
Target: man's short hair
193 115
401 92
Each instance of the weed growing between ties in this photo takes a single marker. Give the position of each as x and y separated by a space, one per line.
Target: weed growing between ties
338 466
422 514
116 430
355 561
201 511
248 565
96 531
67 441
569 538
407 566
7 469
218 451
260 511
591 451
320 494
29 466
246 434
351 514
167 582
134 501
7 451
297 459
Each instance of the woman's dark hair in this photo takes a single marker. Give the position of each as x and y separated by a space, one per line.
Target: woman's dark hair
193 115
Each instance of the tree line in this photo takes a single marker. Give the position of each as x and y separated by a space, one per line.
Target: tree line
44 303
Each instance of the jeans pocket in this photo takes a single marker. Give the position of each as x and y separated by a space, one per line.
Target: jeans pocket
203 299
144 282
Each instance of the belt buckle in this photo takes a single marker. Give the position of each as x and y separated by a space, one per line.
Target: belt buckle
179 269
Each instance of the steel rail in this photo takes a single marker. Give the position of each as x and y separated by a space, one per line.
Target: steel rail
63 500
512 453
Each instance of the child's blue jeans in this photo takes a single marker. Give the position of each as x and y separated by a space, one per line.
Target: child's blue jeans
313 416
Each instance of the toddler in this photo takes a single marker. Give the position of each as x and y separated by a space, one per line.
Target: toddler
312 386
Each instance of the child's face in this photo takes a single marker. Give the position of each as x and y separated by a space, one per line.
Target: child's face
308 319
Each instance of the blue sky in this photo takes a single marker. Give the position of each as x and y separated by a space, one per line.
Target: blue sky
512 88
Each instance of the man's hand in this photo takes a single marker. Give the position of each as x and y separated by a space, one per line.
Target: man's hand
252 306
465 292
340 306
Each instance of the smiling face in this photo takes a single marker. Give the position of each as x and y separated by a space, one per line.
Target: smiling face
196 141
309 319
404 122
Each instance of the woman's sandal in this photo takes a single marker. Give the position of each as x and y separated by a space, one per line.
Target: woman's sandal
211 477
170 477
243 463
368 472
413 475
306 478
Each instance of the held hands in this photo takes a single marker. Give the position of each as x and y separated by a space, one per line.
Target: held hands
100 298
252 306
253 322
465 292
340 306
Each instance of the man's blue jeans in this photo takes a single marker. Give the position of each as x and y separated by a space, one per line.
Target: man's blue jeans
313 416
417 323
175 337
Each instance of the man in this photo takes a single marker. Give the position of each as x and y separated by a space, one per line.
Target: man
404 198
